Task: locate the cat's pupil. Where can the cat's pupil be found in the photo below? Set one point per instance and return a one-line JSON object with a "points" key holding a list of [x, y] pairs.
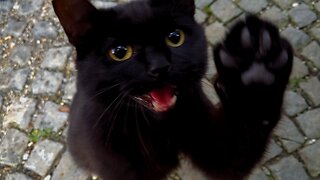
{"points": [[175, 37], [120, 51]]}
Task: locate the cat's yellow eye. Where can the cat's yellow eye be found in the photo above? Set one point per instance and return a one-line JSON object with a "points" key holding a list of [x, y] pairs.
{"points": [[175, 38], [121, 53]]}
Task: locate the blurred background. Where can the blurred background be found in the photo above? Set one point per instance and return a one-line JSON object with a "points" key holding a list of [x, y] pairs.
{"points": [[37, 83]]}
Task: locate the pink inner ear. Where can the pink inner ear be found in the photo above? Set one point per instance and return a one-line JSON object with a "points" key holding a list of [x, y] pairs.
{"points": [[74, 17]]}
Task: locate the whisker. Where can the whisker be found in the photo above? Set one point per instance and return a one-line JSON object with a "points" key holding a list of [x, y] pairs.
{"points": [[113, 117], [147, 152], [144, 116], [106, 110], [114, 114], [104, 90], [139, 134], [126, 116]]}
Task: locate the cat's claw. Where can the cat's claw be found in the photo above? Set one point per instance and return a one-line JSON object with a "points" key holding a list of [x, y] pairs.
{"points": [[253, 53]]}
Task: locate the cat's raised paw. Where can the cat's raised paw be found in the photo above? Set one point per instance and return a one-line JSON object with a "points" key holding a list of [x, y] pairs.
{"points": [[253, 53]]}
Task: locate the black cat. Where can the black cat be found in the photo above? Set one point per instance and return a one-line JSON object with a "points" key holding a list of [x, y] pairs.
{"points": [[140, 104]]}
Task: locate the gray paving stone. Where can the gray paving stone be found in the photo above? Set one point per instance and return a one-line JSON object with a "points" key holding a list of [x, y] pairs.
{"points": [[290, 146], [309, 1], [258, 174], [44, 29], [299, 69], [1, 99], [72, 64], [104, 4], [312, 52], [56, 58], [296, 37], [200, 16], [202, 3], [251, 7], [310, 155], [65, 132], [17, 176], [1, 46], [284, 4], [215, 32], [231, 23], [21, 55], [43, 156], [6, 5], [309, 122], [5, 77], [70, 89], [14, 27], [92, 1], [19, 112], [294, 103], [12, 147], [27, 7], [289, 135], [272, 151], [47, 82], [225, 10], [276, 16], [315, 31], [289, 168], [317, 6], [19, 79], [50, 117], [51, 13], [188, 172], [68, 170], [211, 69], [209, 91], [14, 80], [312, 89], [302, 15]]}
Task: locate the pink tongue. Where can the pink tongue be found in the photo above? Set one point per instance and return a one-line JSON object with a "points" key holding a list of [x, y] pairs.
{"points": [[163, 96]]}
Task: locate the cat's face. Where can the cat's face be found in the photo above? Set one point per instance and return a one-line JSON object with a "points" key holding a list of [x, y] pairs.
{"points": [[149, 50]]}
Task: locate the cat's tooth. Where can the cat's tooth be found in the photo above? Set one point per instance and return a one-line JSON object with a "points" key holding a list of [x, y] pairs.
{"points": [[156, 107], [138, 98], [173, 100]]}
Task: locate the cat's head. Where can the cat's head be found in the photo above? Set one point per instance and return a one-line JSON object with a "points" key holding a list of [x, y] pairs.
{"points": [[149, 49]]}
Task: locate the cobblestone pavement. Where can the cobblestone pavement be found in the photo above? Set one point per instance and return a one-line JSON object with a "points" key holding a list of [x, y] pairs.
{"points": [[37, 84]]}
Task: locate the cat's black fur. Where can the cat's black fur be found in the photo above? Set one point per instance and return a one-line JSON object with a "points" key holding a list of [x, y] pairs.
{"points": [[119, 139]]}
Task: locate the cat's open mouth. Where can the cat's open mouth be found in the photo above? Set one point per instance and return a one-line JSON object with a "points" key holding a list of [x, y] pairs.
{"points": [[159, 100]]}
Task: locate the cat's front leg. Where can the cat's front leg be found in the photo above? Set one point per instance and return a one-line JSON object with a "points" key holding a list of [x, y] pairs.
{"points": [[253, 65]]}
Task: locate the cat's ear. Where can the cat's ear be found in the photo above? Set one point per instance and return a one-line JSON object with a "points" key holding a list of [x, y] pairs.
{"points": [[185, 6], [74, 16]]}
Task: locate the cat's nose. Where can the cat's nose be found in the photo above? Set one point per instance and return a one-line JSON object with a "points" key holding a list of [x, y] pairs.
{"points": [[160, 70], [158, 62]]}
